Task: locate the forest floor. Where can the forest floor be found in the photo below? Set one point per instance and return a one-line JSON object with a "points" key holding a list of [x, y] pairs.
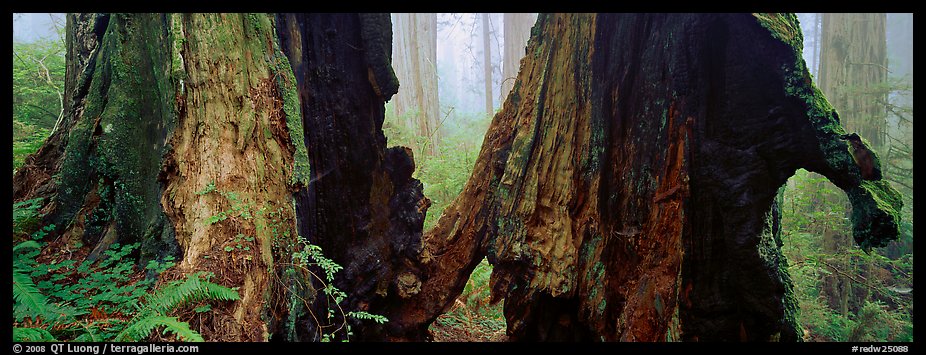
{"points": [[464, 325], [473, 317]]}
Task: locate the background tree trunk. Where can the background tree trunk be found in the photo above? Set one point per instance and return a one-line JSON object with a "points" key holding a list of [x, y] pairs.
{"points": [[415, 61], [853, 75], [899, 130], [487, 63], [517, 32], [854, 70], [615, 209]]}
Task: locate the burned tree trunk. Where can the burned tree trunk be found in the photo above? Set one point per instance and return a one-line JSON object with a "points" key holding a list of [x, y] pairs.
{"points": [[189, 134], [626, 190], [362, 206]]}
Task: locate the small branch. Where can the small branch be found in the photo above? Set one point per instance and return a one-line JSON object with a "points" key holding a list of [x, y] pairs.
{"points": [[874, 64], [901, 184], [41, 108]]}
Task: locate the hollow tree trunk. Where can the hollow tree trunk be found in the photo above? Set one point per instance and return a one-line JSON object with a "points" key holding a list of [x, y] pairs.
{"points": [[626, 189], [189, 133]]}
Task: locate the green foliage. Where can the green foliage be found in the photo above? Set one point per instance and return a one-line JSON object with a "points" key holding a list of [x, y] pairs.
{"points": [[31, 335], [27, 297], [876, 322], [38, 78], [209, 188], [153, 313], [472, 313], [444, 173], [238, 208], [334, 324], [194, 289], [880, 305], [26, 216], [139, 330], [90, 302]]}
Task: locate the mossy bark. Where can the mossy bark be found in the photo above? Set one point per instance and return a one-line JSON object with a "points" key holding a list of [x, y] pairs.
{"points": [[626, 190], [185, 133]]}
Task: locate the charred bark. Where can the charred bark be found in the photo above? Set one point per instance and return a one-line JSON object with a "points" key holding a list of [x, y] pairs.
{"points": [[361, 206], [626, 190]]}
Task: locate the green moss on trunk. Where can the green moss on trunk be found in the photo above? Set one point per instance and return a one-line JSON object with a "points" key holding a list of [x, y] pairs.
{"points": [[875, 204], [119, 139]]}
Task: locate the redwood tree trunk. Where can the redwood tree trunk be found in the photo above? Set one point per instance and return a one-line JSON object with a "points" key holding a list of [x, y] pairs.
{"points": [[189, 133], [362, 206], [626, 189]]}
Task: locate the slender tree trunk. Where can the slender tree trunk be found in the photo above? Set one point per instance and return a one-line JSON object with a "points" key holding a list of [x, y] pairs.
{"points": [[818, 38], [517, 32], [487, 63], [415, 62], [615, 209]]}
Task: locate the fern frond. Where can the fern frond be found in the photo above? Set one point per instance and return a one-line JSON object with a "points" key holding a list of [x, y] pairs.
{"points": [[32, 334], [140, 329], [192, 290], [88, 336], [28, 300], [219, 292], [26, 245]]}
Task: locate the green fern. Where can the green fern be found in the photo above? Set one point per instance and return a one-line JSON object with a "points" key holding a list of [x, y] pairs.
{"points": [[89, 335], [32, 334], [368, 316], [177, 294], [28, 301], [140, 329], [153, 313], [31, 244], [26, 215]]}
